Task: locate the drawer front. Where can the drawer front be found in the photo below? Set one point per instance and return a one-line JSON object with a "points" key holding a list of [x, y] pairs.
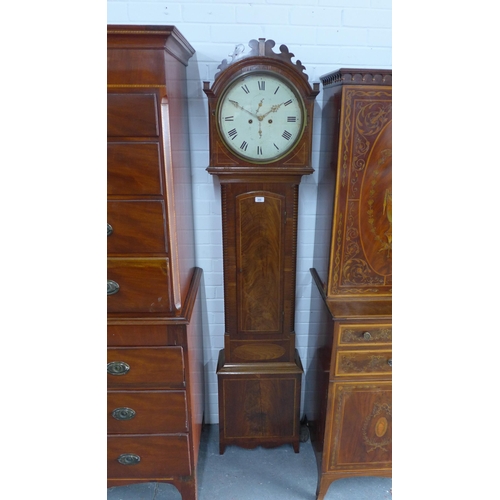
{"points": [[141, 412], [148, 457], [134, 168], [136, 227], [132, 115], [367, 334], [362, 363], [143, 285], [145, 367], [120, 335]]}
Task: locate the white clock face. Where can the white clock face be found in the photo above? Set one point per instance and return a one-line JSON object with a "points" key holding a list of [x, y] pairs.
{"points": [[260, 117]]}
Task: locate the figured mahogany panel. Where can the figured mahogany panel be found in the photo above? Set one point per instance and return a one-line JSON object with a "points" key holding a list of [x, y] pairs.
{"points": [[364, 440], [149, 367], [134, 168], [160, 456], [361, 257], [259, 407], [157, 412], [132, 115], [259, 251]]}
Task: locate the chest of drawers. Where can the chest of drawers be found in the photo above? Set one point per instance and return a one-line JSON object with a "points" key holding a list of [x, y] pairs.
{"points": [[155, 355]]}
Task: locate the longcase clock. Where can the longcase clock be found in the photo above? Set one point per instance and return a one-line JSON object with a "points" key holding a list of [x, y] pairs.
{"points": [[260, 118]]}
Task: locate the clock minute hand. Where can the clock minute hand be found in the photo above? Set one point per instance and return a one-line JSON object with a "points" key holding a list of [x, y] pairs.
{"points": [[235, 104]]}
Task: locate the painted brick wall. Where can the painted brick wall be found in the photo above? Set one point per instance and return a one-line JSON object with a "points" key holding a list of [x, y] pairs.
{"points": [[325, 35]]}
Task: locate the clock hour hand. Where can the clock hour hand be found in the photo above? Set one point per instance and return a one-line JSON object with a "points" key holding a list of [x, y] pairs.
{"points": [[235, 104], [273, 109]]}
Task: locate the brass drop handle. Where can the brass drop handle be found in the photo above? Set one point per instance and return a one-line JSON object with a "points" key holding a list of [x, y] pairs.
{"points": [[110, 229], [129, 459], [113, 287], [367, 336], [118, 368], [123, 413], [389, 362]]}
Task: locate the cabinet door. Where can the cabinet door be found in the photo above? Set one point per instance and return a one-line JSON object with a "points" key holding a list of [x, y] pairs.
{"points": [[361, 253], [359, 426], [259, 223]]}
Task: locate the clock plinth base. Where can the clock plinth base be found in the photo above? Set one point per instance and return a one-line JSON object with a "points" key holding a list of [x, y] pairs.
{"points": [[259, 403]]}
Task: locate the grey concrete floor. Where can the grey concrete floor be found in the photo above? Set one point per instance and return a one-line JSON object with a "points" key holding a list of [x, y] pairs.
{"points": [[258, 474]]}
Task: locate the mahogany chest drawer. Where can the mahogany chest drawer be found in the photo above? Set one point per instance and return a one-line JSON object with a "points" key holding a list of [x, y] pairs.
{"points": [[148, 457], [364, 335], [132, 115], [120, 335], [134, 168], [139, 284], [145, 368], [363, 363], [142, 412], [136, 227]]}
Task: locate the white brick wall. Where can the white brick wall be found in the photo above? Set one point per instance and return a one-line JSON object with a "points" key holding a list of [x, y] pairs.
{"points": [[324, 35]]}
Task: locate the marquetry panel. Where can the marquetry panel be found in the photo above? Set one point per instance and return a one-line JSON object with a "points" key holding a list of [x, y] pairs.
{"points": [[361, 258]]}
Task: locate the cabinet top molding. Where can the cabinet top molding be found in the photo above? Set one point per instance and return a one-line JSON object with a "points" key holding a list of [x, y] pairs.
{"points": [[357, 77], [150, 37], [261, 48]]}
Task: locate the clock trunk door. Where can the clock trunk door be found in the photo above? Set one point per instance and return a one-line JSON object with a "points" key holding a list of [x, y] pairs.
{"points": [[260, 218]]}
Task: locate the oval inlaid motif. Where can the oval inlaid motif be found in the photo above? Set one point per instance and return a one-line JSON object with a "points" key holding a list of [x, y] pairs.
{"points": [[381, 426], [375, 205], [259, 352]]}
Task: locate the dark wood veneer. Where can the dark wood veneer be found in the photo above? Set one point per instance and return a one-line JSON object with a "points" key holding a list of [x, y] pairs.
{"points": [[154, 319], [259, 370]]}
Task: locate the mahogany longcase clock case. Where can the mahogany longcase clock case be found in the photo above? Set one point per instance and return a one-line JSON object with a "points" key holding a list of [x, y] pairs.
{"points": [[260, 118]]}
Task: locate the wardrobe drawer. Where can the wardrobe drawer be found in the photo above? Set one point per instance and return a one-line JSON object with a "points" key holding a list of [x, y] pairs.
{"points": [[134, 168], [136, 227], [139, 284], [145, 367], [359, 363], [132, 115], [148, 457], [140, 412], [367, 334]]}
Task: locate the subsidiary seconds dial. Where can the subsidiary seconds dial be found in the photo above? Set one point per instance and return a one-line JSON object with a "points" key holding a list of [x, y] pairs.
{"points": [[260, 117]]}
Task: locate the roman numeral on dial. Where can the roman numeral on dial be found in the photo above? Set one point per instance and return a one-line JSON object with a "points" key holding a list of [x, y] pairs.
{"points": [[286, 135], [292, 119], [246, 89], [232, 133], [244, 145], [288, 102], [262, 85], [259, 150], [229, 118]]}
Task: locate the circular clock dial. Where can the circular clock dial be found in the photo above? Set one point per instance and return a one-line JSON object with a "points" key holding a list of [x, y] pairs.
{"points": [[260, 117]]}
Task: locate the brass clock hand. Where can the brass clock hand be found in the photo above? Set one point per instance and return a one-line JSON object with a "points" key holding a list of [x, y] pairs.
{"points": [[273, 109], [235, 104], [259, 106]]}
